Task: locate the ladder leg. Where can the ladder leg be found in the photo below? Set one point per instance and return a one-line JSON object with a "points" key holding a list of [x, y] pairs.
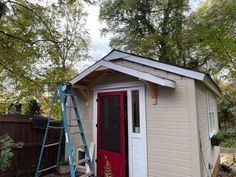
{"points": [[45, 135], [82, 131], [68, 146], [59, 147]]}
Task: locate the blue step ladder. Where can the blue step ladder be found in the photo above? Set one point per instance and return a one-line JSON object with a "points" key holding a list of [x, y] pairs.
{"points": [[65, 126]]}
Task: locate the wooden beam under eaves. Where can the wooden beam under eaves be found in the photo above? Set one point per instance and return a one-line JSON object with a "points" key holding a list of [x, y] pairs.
{"points": [[153, 91], [84, 92]]}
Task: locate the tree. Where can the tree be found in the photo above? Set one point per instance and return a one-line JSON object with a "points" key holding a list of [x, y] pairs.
{"points": [[40, 44], [32, 108], [203, 39], [150, 28], [227, 103], [167, 30], [213, 27]]}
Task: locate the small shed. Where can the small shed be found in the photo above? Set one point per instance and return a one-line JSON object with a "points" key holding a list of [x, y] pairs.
{"points": [[147, 118]]}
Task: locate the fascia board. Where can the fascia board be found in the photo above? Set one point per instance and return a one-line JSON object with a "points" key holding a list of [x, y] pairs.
{"points": [[125, 70], [155, 64]]}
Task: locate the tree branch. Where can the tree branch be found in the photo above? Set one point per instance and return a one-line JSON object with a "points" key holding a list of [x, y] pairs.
{"points": [[226, 51]]}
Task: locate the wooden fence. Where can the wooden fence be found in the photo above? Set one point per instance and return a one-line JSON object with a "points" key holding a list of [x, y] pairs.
{"points": [[24, 161]]}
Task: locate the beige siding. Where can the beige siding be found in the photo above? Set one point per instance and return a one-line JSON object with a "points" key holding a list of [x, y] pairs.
{"points": [[168, 132], [86, 115], [209, 154], [171, 132]]}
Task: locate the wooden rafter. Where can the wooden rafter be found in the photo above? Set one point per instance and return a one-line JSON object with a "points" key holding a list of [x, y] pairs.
{"points": [[84, 92], [153, 91]]}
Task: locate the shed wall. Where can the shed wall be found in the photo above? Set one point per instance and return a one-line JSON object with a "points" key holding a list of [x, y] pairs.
{"points": [[209, 154], [86, 115], [172, 134], [172, 144]]}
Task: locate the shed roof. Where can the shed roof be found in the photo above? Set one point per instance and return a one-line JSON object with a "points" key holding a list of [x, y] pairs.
{"points": [[132, 72], [107, 62]]}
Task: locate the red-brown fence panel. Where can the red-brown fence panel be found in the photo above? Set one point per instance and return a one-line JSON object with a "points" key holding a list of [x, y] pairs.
{"points": [[20, 128]]}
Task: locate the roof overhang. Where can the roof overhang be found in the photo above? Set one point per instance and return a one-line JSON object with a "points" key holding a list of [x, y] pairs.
{"points": [[122, 69], [115, 55]]}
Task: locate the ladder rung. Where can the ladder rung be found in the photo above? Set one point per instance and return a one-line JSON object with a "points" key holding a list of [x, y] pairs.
{"points": [[67, 94], [65, 83], [75, 133], [87, 174], [49, 168], [53, 120], [70, 107], [72, 125], [53, 144], [83, 161], [81, 148], [74, 119], [54, 127]]}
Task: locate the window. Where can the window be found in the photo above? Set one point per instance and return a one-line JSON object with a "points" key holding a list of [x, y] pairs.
{"points": [[210, 114], [135, 111]]}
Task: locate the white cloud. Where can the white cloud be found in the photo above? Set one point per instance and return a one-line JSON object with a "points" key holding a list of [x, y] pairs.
{"points": [[99, 44]]}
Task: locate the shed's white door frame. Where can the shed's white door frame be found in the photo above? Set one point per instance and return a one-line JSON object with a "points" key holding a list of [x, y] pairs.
{"points": [[137, 141]]}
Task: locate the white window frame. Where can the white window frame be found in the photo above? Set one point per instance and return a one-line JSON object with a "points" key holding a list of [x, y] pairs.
{"points": [[211, 115]]}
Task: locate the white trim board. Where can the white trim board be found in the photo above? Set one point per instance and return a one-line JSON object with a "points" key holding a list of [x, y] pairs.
{"points": [[114, 55], [155, 64], [132, 72]]}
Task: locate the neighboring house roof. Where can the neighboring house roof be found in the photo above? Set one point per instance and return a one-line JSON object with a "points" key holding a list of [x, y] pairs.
{"points": [[119, 55]]}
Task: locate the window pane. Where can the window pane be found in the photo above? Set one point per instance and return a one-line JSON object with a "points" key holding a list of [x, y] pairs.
{"points": [[213, 121], [211, 104], [135, 111], [110, 123], [210, 113]]}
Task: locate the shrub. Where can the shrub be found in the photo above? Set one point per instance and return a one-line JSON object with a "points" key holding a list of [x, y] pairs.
{"points": [[6, 145], [32, 108]]}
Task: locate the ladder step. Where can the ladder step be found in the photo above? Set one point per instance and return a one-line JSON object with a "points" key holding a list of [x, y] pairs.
{"points": [[55, 121], [67, 94], [81, 148], [70, 107], [49, 168], [72, 125], [74, 119], [53, 144], [75, 133], [83, 161], [54, 127], [87, 174], [65, 83]]}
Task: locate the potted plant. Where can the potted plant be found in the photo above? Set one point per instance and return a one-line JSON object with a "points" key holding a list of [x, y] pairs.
{"points": [[217, 139]]}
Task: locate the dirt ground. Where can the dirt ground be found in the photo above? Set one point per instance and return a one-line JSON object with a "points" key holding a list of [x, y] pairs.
{"points": [[228, 159], [225, 158], [66, 175]]}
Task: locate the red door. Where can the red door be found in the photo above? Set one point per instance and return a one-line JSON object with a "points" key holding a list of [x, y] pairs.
{"points": [[110, 135]]}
